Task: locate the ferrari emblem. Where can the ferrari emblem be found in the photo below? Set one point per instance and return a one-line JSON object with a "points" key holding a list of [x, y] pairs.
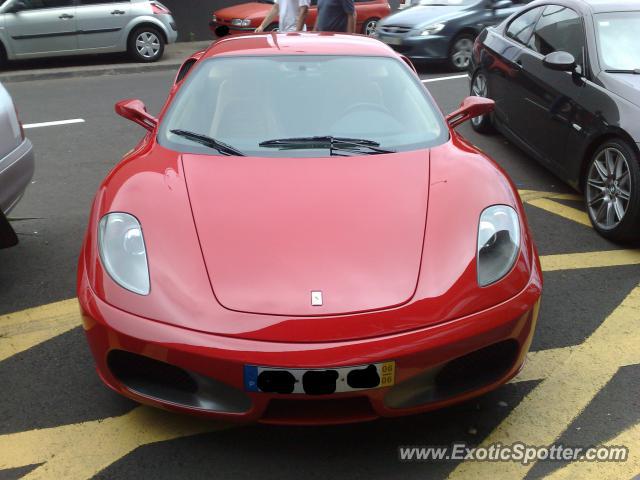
{"points": [[316, 298]]}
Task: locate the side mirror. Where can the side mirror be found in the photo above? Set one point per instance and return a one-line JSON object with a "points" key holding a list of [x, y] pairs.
{"points": [[135, 111], [469, 108], [560, 61], [500, 4], [17, 6]]}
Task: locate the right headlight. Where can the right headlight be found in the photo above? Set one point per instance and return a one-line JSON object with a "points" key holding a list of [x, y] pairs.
{"points": [[498, 243], [431, 29], [123, 252]]}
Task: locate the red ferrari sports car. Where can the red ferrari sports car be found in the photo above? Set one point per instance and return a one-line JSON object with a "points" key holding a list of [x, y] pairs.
{"points": [[256, 259]]}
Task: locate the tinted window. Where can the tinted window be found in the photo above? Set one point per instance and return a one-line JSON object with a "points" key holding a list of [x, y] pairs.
{"points": [[36, 4], [617, 35], [521, 28], [559, 29], [243, 101]]}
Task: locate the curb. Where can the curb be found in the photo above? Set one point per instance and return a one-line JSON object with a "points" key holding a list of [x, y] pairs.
{"points": [[73, 73]]}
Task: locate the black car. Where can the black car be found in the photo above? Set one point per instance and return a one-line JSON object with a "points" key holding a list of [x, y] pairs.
{"points": [[565, 76], [442, 30]]}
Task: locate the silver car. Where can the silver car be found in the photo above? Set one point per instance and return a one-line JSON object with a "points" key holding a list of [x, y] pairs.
{"points": [[16, 164], [47, 28]]}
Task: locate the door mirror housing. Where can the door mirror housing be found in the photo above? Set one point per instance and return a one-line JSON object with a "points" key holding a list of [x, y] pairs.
{"points": [[500, 4], [17, 6], [469, 108], [136, 111], [560, 61]]}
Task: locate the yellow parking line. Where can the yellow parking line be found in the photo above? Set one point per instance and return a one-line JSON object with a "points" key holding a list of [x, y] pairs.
{"points": [[22, 330], [607, 470], [564, 211], [548, 410], [573, 261], [541, 364], [81, 450]]}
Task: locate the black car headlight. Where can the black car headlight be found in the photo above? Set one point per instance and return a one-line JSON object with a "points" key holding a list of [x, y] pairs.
{"points": [[498, 243]]}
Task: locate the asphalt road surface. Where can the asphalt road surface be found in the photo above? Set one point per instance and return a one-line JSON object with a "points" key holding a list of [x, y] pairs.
{"points": [[581, 386]]}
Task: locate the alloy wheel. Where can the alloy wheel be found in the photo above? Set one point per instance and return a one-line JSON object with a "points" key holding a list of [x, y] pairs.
{"points": [[479, 89], [370, 27], [608, 188], [461, 54], [148, 45]]}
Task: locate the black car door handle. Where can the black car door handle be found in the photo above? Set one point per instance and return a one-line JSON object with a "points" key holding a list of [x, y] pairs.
{"points": [[117, 12], [65, 16]]}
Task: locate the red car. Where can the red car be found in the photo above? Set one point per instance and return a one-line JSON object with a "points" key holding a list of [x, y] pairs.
{"points": [[255, 259], [246, 17]]}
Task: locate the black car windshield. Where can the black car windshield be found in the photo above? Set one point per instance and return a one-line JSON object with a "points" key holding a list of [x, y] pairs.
{"points": [[244, 101], [617, 34]]}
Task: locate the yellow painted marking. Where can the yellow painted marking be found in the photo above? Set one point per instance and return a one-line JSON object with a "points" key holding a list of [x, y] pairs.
{"points": [[550, 408], [541, 364], [564, 211], [528, 195], [573, 261], [83, 449], [22, 330], [607, 470]]}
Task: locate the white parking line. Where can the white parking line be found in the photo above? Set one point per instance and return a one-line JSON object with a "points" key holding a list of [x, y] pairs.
{"points": [[440, 79], [53, 124]]}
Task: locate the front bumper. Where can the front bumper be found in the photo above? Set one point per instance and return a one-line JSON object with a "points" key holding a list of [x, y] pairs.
{"points": [[16, 172], [212, 366], [432, 47]]}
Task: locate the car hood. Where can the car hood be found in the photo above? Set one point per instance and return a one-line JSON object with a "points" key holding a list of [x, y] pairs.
{"points": [[244, 10], [349, 227], [623, 84], [418, 16]]}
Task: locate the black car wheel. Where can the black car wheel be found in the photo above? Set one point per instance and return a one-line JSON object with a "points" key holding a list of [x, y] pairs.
{"points": [[369, 26], [460, 52], [480, 88], [146, 44], [3, 56], [612, 191], [274, 27]]}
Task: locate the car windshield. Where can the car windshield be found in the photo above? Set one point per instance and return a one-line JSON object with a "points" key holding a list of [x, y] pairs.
{"points": [[245, 101], [617, 40]]}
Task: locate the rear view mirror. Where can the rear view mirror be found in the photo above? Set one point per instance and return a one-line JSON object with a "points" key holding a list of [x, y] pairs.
{"points": [[17, 6], [561, 61], [499, 4], [135, 111], [469, 108]]}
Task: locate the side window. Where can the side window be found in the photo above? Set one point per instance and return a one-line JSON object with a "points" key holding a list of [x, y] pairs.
{"points": [[559, 28], [521, 27], [37, 4]]}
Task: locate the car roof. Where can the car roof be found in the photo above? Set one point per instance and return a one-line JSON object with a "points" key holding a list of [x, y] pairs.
{"points": [[302, 43], [599, 6]]}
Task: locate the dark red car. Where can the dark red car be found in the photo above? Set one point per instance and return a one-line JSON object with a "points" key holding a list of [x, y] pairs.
{"points": [[256, 259], [246, 17]]}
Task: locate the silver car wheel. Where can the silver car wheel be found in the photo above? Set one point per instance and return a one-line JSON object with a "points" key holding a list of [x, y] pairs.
{"points": [[370, 27], [461, 54], [479, 89], [148, 45], [608, 188]]}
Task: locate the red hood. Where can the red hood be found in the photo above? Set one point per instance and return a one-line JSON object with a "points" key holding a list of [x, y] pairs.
{"points": [[244, 10], [274, 229]]}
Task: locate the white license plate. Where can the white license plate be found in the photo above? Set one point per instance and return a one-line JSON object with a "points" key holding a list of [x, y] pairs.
{"points": [[318, 381], [392, 40]]}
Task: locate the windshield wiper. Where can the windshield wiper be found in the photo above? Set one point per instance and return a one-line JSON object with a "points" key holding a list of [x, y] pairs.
{"points": [[210, 142], [355, 145], [635, 71]]}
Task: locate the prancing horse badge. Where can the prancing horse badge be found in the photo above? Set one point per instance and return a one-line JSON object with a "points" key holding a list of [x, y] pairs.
{"points": [[316, 298]]}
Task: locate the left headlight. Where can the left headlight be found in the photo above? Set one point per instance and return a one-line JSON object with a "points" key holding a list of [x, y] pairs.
{"points": [[122, 251], [431, 29], [498, 243], [239, 22]]}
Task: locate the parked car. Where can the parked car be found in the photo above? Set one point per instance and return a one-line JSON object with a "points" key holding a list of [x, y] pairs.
{"points": [[251, 255], [245, 17], [16, 164], [565, 76], [46, 28], [442, 30]]}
